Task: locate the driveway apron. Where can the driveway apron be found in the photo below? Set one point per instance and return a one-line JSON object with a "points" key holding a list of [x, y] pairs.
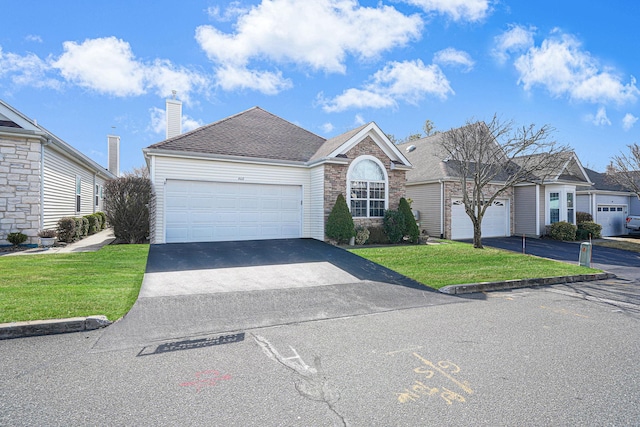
{"points": [[625, 288], [196, 289]]}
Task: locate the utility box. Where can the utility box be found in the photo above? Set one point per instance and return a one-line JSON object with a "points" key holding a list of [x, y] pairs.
{"points": [[585, 254]]}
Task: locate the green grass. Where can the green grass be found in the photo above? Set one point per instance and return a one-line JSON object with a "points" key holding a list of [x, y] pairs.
{"points": [[34, 287], [455, 263]]}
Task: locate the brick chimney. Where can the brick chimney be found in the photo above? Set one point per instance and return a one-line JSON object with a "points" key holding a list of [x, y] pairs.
{"points": [[174, 117], [113, 154]]}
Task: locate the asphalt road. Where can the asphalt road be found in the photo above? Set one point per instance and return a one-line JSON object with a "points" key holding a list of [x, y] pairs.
{"points": [[526, 357]]}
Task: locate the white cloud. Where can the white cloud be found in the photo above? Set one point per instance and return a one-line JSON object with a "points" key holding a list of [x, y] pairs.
{"points": [[516, 39], [358, 120], [628, 121], [33, 38], [458, 10], [319, 35], [408, 81], [27, 70], [454, 57], [327, 127], [600, 118], [561, 66], [158, 121], [232, 11], [108, 65], [232, 78]]}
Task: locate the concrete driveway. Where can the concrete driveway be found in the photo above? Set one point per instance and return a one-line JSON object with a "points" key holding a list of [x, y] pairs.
{"points": [[192, 289]]}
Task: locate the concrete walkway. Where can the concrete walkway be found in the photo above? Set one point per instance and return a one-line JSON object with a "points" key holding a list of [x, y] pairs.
{"points": [[88, 244]]}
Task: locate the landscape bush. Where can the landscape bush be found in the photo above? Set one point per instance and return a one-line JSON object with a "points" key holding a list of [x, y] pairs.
{"points": [[340, 225], [103, 220], [66, 229], [127, 207], [583, 217], [362, 235], [587, 228], [563, 230], [394, 225], [93, 224], [16, 238], [411, 230], [377, 236]]}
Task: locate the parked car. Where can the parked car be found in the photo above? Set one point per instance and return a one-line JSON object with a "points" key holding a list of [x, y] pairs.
{"points": [[633, 223]]}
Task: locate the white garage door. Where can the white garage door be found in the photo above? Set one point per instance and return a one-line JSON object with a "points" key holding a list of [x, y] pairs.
{"points": [[199, 211], [612, 219], [495, 222]]}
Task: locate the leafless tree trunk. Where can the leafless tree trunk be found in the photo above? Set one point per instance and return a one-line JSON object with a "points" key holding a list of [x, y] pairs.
{"points": [[490, 158], [624, 169]]}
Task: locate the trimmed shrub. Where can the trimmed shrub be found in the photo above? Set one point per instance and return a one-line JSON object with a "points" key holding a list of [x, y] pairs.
{"points": [[586, 228], [411, 227], [562, 231], [394, 225], [127, 207], [16, 238], [340, 223], [47, 234], [583, 217], [79, 224], [362, 235], [377, 236], [66, 229], [103, 220], [85, 227], [93, 224]]}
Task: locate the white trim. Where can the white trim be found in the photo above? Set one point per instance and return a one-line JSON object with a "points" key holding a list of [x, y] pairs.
{"points": [[563, 190], [538, 208], [386, 182]]}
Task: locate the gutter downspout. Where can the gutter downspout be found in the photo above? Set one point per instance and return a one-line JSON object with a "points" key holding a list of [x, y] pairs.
{"points": [[42, 145]]}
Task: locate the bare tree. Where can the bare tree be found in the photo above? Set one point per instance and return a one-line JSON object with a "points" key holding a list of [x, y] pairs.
{"points": [[490, 158], [140, 171], [624, 169]]}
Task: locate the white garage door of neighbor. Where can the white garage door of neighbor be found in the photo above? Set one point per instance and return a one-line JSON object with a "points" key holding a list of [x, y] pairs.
{"points": [[198, 211], [612, 219], [495, 222]]}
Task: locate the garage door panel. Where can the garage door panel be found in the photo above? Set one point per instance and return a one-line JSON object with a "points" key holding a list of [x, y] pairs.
{"points": [[216, 211], [495, 222]]}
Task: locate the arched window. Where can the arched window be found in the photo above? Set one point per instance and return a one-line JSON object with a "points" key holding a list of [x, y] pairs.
{"points": [[367, 181]]}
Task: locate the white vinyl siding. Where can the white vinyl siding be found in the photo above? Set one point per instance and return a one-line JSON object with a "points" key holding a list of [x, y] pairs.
{"points": [[316, 210], [525, 210], [426, 200], [222, 171], [60, 188]]}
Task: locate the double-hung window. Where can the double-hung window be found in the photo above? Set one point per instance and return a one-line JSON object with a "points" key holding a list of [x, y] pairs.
{"points": [[78, 193], [367, 182]]}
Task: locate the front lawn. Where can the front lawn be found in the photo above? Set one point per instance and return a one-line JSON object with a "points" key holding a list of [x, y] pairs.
{"points": [[454, 263], [34, 287]]}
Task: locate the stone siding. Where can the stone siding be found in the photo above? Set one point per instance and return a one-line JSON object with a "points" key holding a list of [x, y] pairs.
{"points": [[20, 186], [335, 181]]}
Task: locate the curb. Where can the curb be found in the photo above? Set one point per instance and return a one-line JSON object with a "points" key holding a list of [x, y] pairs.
{"points": [[49, 327], [522, 283]]}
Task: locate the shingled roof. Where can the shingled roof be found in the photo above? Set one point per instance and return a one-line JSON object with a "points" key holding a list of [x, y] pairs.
{"points": [[254, 133]]}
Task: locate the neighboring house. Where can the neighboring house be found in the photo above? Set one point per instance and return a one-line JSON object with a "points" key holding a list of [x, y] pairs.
{"points": [[42, 178], [526, 209], [257, 176], [608, 203]]}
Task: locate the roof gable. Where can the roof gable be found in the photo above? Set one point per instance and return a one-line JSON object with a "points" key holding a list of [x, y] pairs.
{"points": [[341, 144], [254, 133]]}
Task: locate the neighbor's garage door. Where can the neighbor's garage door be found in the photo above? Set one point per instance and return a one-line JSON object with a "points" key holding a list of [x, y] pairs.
{"points": [[495, 222], [199, 211], [612, 219]]}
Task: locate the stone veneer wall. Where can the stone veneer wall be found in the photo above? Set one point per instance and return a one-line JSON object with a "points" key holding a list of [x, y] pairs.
{"points": [[20, 186], [335, 181], [454, 189]]}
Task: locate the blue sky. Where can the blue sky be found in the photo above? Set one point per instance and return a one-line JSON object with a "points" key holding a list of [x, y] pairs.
{"points": [[86, 69]]}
